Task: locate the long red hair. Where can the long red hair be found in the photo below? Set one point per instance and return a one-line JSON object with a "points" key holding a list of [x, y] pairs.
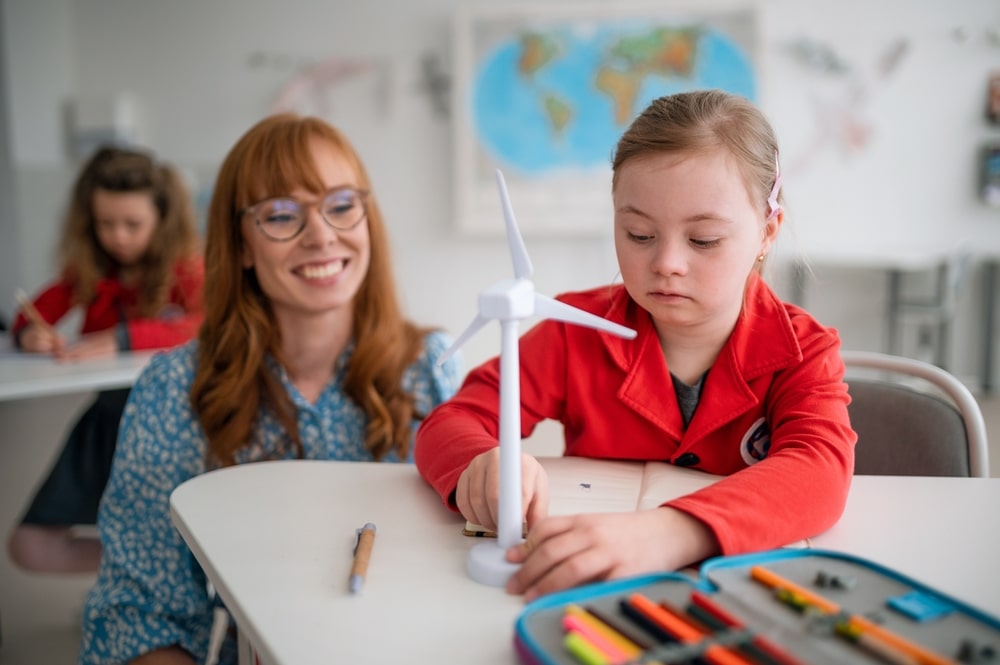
{"points": [[232, 380]]}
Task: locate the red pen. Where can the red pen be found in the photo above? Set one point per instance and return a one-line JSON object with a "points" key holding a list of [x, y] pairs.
{"points": [[765, 645], [684, 631]]}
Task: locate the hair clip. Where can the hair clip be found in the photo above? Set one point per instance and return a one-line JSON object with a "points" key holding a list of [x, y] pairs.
{"points": [[772, 199]]}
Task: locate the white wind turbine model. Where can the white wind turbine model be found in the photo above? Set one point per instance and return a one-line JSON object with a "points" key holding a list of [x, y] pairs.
{"points": [[509, 301]]}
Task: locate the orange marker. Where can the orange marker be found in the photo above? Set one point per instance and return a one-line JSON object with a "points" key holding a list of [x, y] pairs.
{"points": [[762, 643], [917, 652], [775, 581], [684, 631]]}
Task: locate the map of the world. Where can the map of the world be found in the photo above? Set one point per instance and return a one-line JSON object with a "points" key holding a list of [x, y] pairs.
{"points": [[543, 101]]}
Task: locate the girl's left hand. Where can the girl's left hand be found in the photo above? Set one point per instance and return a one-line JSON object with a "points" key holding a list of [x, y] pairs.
{"points": [[102, 344], [566, 551]]}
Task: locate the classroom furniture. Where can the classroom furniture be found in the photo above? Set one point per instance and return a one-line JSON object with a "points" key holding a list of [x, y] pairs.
{"points": [[913, 418], [25, 375], [991, 267], [933, 312], [34, 376], [276, 539]]}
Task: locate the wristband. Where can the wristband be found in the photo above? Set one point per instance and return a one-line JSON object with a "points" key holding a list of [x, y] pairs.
{"points": [[122, 337]]}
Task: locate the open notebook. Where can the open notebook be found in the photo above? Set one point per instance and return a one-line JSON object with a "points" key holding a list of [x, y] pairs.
{"points": [[582, 485], [579, 485]]}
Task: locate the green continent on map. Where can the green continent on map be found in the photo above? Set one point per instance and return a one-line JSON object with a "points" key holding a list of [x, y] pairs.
{"points": [[662, 52], [558, 112], [622, 88], [536, 52]]}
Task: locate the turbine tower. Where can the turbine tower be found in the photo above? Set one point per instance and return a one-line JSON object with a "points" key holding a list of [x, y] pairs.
{"points": [[510, 301]]}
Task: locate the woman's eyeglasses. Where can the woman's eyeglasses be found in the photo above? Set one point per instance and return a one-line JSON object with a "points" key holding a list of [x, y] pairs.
{"points": [[343, 208]]}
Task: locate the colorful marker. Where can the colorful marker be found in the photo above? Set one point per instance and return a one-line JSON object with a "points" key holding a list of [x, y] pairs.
{"points": [[619, 627], [874, 645], [684, 631], [915, 651], [768, 650], [773, 580], [583, 651], [608, 649], [616, 638]]}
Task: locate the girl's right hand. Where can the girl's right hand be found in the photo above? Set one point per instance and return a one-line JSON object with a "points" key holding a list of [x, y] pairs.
{"points": [[37, 339], [478, 492]]}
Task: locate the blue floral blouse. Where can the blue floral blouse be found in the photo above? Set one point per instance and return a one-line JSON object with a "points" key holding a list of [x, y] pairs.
{"points": [[151, 592]]}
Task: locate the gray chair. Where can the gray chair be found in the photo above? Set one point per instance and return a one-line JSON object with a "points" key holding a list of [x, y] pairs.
{"points": [[913, 419]]}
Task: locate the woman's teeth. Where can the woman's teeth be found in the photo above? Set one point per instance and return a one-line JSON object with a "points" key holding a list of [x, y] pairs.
{"points": [[326, 270]]}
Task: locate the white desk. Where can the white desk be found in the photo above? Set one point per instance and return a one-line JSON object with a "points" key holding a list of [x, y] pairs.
{"points": [[33, 375], [275, 539]]}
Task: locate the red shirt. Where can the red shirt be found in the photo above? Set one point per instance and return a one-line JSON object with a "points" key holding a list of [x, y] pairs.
{"points": [[176, 323], [772, 414]]}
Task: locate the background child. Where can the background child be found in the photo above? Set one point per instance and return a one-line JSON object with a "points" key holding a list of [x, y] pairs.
{"points": [[130, 257], [723, 376], [304, 353]]}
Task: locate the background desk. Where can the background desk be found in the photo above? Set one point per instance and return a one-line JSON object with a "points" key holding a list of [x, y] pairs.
{"points": [[30, 375], [950, 268], [275, 539], [39, 401], [947, 266]]}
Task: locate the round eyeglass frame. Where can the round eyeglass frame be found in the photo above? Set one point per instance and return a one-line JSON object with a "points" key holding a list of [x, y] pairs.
{"points": [[362, 194]]}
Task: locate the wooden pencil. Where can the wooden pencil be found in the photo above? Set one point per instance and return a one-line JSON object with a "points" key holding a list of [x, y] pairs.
{"points": [[31, 312]]}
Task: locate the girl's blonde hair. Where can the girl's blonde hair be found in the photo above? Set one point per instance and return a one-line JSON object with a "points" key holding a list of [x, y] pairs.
{"points": [[701, 121], [232, 380]]}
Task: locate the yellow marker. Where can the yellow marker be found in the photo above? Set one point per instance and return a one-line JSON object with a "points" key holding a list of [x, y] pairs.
{"points": [[583, 651], [630, 648]]}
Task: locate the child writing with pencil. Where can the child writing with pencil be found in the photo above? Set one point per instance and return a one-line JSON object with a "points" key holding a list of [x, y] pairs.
{"points": [[304, 353], [130, 257], [723, 376]]}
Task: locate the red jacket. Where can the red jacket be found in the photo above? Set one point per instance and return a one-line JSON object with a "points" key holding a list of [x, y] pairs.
{"points": [[772, 414], [177, 322]]}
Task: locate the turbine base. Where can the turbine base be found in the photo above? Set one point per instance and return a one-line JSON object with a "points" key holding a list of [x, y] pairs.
{"points": [[487, 564]]}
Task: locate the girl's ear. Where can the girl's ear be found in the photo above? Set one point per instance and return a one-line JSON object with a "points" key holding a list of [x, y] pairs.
{"points": [[247, 258], [772, 226]]}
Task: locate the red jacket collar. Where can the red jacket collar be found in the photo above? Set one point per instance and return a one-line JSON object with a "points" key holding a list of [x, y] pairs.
{"points": [[763, 340]]}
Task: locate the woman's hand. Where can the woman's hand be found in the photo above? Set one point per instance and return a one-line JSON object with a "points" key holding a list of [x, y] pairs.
{"points": [[563, 552], [478, 492], [102, 344], [40, 339]]}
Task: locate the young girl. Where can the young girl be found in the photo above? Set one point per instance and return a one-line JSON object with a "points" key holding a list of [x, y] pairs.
{"points": [[723, 376], [304, 353], [130, 257]]}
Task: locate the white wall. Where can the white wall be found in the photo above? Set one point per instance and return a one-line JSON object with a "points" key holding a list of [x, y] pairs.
{"points": [[10, 264], [195, 69]]}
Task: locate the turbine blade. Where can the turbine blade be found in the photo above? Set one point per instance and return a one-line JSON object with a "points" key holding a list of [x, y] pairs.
{"points": [[553, 309], [518, 252], [467, 334]]}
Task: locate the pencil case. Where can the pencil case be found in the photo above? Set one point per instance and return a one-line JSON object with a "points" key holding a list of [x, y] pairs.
{"points": [[781, 607]]}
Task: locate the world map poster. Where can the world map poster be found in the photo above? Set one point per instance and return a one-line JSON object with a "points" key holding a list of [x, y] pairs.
{"points": [[544, 95]]}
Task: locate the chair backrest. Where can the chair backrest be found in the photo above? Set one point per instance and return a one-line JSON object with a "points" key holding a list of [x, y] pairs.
{"points": [[913, 418]]}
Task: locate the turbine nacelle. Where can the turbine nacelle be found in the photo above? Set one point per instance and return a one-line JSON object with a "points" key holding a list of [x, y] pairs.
{"points": [[508, 299]]}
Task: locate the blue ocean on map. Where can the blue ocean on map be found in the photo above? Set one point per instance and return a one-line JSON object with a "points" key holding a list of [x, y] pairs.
{"points": [[554, 115]]}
